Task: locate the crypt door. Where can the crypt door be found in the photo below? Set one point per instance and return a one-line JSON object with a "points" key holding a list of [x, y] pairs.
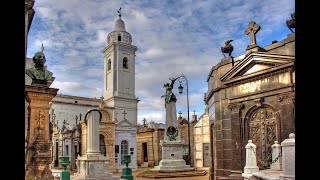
{"points": [[263, 132]]}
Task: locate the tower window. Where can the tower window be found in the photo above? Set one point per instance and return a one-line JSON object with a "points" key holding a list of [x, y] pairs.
{"points": [[125, 63], [109, 65], [119, 37]]}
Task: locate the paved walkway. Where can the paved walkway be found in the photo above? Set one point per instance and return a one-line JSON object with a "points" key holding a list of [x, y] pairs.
{"points": [[135, 173]]}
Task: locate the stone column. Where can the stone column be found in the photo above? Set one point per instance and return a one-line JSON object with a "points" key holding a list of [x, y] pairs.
{"points": [[83, 138], [38, 154], [276, 149], [251, 161], [288, 158], [93, 133]]}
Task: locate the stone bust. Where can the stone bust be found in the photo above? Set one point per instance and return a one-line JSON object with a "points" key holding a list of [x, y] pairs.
{"points": [[39, 74]]}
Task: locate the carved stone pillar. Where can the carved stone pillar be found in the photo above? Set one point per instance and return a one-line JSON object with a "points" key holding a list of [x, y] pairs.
{"points": [[237, 135], [38, 156]]}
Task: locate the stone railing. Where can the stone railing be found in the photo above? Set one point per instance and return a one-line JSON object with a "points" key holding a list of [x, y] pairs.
{"points": [[282, 166]]}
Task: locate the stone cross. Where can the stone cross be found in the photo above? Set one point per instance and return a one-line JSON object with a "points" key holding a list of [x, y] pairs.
{"points": [[144, 121], [252, 29], [119, 12], [194, 112], [179, 113], [124, 114]]}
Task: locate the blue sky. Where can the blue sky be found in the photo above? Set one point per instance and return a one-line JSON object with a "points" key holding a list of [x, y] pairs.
{"points": [[173, 37]]}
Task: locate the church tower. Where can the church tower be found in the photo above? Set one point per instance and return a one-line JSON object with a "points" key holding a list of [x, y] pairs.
{"points": [[119, 90]]}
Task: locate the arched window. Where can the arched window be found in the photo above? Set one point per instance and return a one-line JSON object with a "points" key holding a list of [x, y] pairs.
{"points": [[125, 63], [119, 37], [124, 150], [109, 65], [102, 145]]}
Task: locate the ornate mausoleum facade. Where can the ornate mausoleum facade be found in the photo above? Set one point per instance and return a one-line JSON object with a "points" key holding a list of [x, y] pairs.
{"points": [[251, 97]]}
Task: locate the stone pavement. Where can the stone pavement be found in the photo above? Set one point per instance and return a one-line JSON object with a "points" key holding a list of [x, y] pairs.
{"points": [[140, 169]]}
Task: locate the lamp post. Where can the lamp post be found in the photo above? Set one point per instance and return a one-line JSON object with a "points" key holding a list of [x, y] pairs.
{"points": [[180, 89]]}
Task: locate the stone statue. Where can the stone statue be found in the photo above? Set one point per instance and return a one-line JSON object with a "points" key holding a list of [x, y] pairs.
{"points": [[169, 96], [101, 102], [39, 74], [292, 22], [115, 116], [228, 48]]}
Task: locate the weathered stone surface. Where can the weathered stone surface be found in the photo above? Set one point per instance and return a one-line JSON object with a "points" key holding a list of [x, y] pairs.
{"points": [[38, 150]]}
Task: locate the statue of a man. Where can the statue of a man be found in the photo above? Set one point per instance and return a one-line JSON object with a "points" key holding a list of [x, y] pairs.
{"points": [[39, 74]]}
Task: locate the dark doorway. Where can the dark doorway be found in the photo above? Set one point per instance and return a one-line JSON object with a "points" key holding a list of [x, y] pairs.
{"points": [[75, 156], [145, 152], [79, 152], [102, 145], [56, 161], [206, 155]]}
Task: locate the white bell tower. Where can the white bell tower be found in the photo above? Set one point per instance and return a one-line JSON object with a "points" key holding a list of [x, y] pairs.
{"points": [[119, 89]]}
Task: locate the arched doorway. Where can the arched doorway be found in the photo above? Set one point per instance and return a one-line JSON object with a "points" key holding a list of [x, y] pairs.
{"points": [[262, 128], [124, 149], [102, 145]]}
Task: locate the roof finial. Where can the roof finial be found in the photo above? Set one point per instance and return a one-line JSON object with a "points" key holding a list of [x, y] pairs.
{"points": [[119, 11]]}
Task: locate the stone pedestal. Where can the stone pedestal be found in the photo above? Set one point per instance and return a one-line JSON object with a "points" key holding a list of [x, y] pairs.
{"points": [[93, 165], [38, 153], [276, 149], [172, 158], [288, 158], [251, 161]]}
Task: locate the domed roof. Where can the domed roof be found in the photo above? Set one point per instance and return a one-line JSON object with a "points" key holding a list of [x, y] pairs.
{"points": [[119, 25]]}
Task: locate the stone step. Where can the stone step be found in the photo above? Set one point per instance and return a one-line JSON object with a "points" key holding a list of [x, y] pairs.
{"points": [[236, 175], [144, 164], [228, 178]]}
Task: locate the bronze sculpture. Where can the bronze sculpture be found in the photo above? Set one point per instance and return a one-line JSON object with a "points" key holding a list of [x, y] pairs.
{"points": [[39, 74], [292, 22], [227, 48]]}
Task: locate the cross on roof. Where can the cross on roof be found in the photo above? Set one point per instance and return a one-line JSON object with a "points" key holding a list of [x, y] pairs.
{"points": [[252, 29], [124, 114], [119, 11], [144, 121], [194, 112], [180, 114]]}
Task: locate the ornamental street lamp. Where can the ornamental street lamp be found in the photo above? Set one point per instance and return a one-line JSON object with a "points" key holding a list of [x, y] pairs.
{"points": [[180, 89]]}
